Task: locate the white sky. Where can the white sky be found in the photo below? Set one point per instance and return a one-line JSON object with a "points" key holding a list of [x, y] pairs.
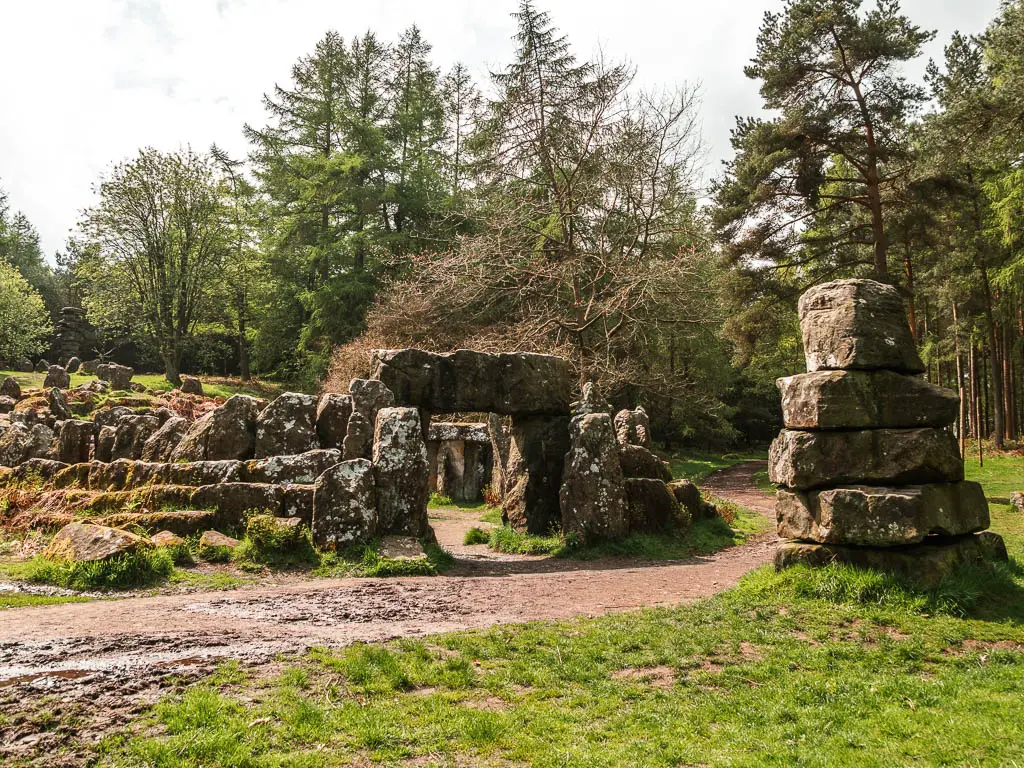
{"points": [[84, 83]]}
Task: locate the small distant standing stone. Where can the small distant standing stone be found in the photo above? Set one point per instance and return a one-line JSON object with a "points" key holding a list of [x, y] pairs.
{"points": [[1017, 500], [73, 365], [56, 376], [9, 387], [190, 385]]}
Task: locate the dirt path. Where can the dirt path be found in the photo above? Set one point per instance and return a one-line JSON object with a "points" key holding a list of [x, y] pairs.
{"points": [[98, 651]]}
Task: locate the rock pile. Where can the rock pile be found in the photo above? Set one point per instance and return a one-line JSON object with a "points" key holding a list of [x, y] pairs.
{"points": [[868, 470]]}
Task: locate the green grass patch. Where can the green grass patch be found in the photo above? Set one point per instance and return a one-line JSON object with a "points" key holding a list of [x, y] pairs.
{"points": [[212, 386], [366, 560], [137, 569], [505, 539], [696, 465], [1001, 474], [23, 600], [492, 515], [203, 580], [476, 536], [268, 543]]}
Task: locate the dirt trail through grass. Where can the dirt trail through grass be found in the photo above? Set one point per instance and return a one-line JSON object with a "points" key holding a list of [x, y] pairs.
{"points": [[134, 636]]}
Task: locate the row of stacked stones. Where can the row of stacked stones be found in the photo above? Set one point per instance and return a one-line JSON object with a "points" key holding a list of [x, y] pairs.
{"points": [[461, 459], [869, 472]]}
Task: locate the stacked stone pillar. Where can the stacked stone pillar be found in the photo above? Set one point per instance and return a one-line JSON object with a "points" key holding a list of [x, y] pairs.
{"points": [[868, 469]]}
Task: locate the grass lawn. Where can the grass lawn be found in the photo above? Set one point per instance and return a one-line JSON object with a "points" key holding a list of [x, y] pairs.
{"points": [[813, 668], [22, 600], [696, 465], [212, 386]]}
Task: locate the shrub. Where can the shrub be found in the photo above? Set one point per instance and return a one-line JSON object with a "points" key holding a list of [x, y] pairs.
{"points": [[267, 541], [135, 569], [476, 536], [510, 541], [439, 500]]}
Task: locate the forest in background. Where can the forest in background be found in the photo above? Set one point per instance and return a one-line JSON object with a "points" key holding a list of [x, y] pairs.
{"points": [[560, 208]]}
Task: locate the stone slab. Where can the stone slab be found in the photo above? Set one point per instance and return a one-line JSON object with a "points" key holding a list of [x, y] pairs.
{"points": [[805, 460], [879, 516], [864, 399]]}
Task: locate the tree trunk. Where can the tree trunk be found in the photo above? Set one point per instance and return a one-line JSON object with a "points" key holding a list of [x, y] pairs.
{"points": [[243, 345], [961, 432], [908, 267]]}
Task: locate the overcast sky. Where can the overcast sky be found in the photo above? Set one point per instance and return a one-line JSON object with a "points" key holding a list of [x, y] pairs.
{"points": [[84, 83]]}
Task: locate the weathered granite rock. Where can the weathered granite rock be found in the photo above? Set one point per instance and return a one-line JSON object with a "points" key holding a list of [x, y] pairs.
{"points": [[132, 433], [10, 387], [111, 417], [119, 376], [358, 443], [214, 546], [501, 443], [89, 367], [1017, 500], [85, 542], [227, 432], [518, 383], [42, 366], [161, 444], [458, 431], [804, 460], [927, 563], [298, 468], [332, 414], [7, 404], [190, 385], [59, 404], [36, 470], [298, 502], [880, 516], [593, 493], [167, 539], [344, 505], [633, 427], [287, 426], [178, 522], [56, 376], [105, 443], [24, 365], [533, 472], [401, 473], [688, 496], [73, 364], [401, 548], [459, 469], [864, 399], [233, 501], [199, 473], [21, 442], [638, 461], [591, 401], [859, 324], [652, 506], [74, 441], [281, 534]]}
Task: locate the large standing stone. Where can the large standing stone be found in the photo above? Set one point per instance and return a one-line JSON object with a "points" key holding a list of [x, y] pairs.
{"points": [[593, 493], [7, 404], [74, 441], [84, 542], [297, 468], [119, 376], [633, 427], [73, 364], [227, 432], [501, 443], [344, 505], [652, 506], [105, 443], [536, 462], [803, 460], [332, 414], [56, 376], [927, 563], [1017, 500], [132, 434], [21, 442], [42, 366], [59, 404], [401, 472], [880, 516], [856, 324], [161, 444], [358, 443], [190, 385], [368, 397], [287, 426], [200, 473], [467, 381], [111, 417], [24, 365], [9, 387], [864, 399]]}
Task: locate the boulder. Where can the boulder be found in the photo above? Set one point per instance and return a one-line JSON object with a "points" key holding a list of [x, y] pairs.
{"points": [[111, 417], [227, 432], [232, 501], [287, 426], [652, 507], [880, 516], [864, 399], [533, 472], [281, 534], [332, 414], [856, 324], [21, 442], [7, 404], [633, 427], [56, 377], [199, 473], [73, 364], [85, 542], [74, 441], [167, 539], [24, 365], [457, 431], [518, 383], [401, 548], [132, 433], [344, 505], [1017, 500], [302, 468], [178, 522], [927, 563], [42, 366], [37, 470], [593, 493], [638, 461], [10, 387], [590, 401], [105, 443], [119, 376], [59, 404], [216, 546], [358, 443], [401, 473], [190, 385], [688, 496], [161, 444], [89, 367], [297, 501], [806, 460]]}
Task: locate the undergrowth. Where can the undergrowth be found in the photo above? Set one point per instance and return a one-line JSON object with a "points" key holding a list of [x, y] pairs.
{"points": [[133, 569]]}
